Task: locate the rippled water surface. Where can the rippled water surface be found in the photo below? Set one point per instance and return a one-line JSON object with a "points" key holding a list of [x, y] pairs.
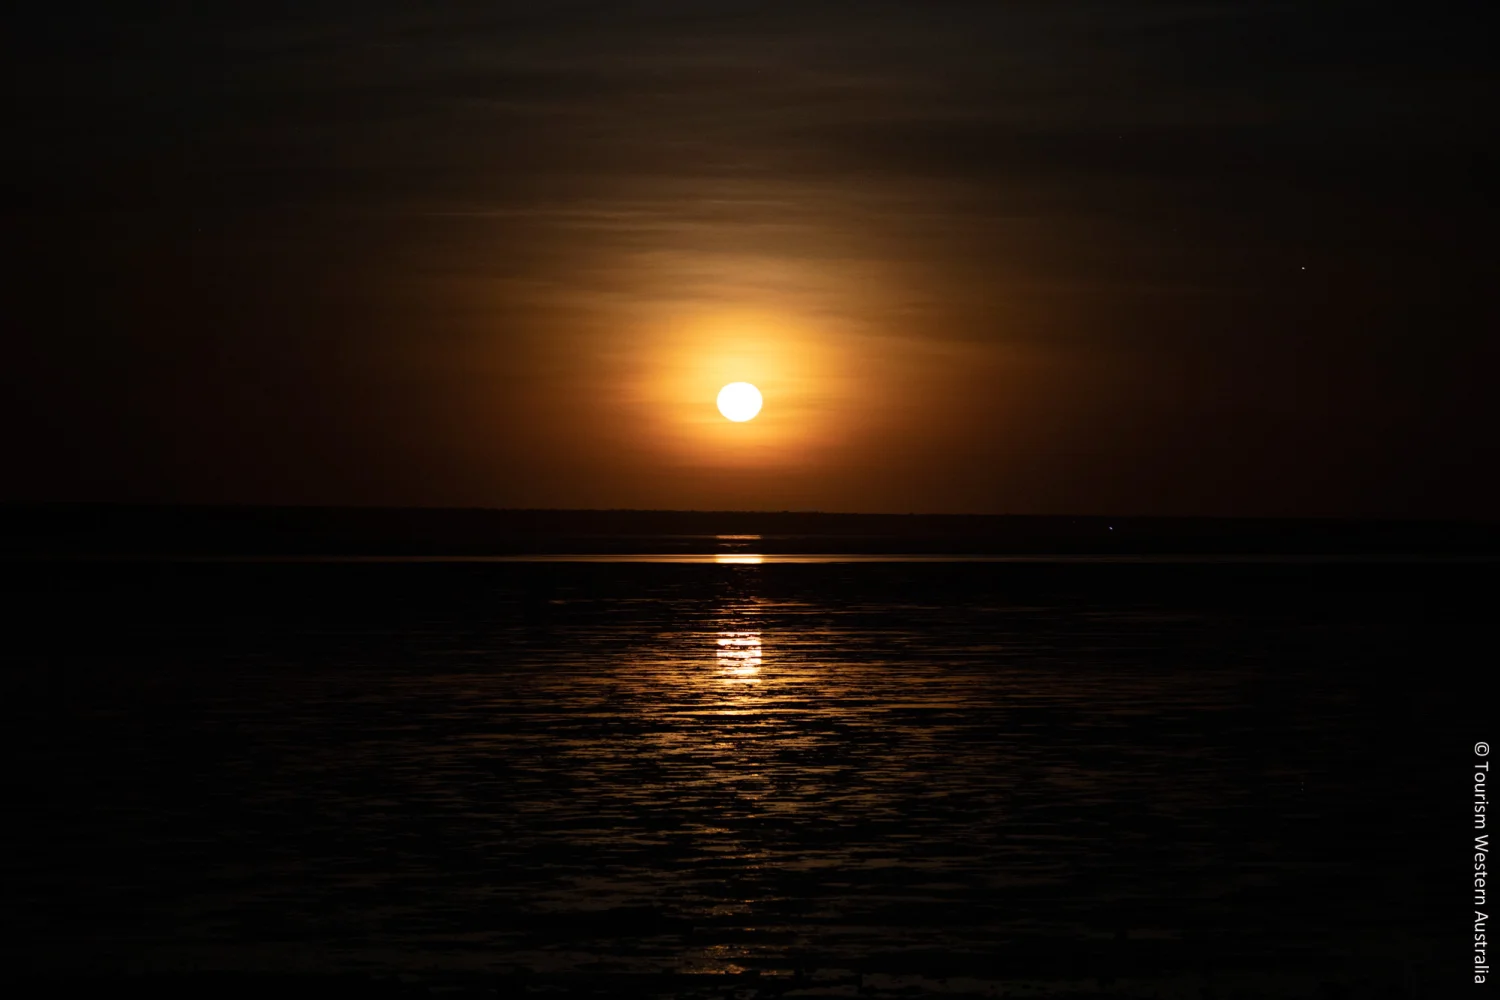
{"points": [[807, 777]]}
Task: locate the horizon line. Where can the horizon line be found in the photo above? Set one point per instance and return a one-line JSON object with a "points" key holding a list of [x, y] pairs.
{"points": [[256, 506]]}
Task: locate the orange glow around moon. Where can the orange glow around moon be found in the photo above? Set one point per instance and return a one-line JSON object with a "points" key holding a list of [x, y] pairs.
{"points": [[739, 401], [794, 405]]}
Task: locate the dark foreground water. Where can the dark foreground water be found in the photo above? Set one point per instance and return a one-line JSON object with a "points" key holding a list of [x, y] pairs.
{"points": [[753, 780]]}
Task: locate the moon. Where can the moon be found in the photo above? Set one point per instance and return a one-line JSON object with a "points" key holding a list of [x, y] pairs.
{"points": [[739, 401]]}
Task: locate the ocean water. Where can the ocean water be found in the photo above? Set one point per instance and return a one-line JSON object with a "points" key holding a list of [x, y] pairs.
{"points": [[748, 777]]}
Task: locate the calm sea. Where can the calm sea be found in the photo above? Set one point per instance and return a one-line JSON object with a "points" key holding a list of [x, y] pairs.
{"points": [[747, 777]]}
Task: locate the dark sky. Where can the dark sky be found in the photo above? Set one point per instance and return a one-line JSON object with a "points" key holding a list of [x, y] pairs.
{"points": [[1030, 257]]}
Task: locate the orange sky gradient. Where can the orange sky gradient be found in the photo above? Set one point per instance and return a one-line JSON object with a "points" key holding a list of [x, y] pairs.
{"points": [[1016, 258]]}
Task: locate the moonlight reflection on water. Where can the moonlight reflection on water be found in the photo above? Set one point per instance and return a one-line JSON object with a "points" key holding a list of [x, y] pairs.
{"points": [[740, 656], [938, 770]]}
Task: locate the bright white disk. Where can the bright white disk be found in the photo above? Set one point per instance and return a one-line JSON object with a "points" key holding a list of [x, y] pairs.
{"points": [[739, 401]]}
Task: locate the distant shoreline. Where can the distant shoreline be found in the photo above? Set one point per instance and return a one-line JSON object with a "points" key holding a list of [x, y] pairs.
{"points": [[40, 530], [796, 559]]}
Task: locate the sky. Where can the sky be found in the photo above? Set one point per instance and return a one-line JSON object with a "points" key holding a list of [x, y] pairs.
{"points": [[1170, 258]]}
